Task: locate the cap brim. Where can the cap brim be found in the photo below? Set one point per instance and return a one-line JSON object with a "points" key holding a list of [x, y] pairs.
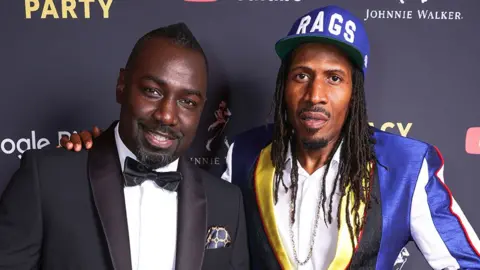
{"points": [[286, 45]]}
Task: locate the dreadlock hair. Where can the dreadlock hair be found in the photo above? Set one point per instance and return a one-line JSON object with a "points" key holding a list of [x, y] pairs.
{"points": [[356, 152], [179, 34]]}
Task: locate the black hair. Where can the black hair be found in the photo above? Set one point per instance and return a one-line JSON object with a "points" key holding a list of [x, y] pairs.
{"points": [[178, 33], [356, 152]]}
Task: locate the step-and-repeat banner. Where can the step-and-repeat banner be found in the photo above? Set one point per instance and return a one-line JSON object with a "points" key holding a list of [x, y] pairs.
{"points": [[60, 60]]}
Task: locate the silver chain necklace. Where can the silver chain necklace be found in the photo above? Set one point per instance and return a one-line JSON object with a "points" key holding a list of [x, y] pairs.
{"points": [[314, 233]]}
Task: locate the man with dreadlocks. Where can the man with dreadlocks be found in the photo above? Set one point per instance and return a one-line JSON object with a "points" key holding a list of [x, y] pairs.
{"points": [[321, 163], [324, 190]]}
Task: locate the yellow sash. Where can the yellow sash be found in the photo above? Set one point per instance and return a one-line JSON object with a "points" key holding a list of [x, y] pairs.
{"points": [[264, 179]]}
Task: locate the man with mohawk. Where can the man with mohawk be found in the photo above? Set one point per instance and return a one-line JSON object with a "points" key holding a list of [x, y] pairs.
{"points": [[324, 190], [134, 201]]}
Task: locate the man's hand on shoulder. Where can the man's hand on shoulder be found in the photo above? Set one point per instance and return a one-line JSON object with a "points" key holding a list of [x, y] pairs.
{"points": [[79, 140]]}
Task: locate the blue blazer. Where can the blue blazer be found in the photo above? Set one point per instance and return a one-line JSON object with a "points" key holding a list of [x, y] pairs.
{"points": [[409, 202]]}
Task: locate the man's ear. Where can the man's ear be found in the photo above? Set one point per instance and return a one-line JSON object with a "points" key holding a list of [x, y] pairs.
{"points": [[120, 90]]}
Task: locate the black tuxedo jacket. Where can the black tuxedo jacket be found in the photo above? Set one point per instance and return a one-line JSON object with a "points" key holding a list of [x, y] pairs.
{"points": [[65, 210]]}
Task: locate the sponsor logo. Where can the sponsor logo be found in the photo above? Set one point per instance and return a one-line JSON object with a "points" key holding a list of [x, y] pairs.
{"points": [[17, 147], [202, 161], [222, 116], [65, 9], [216, 140], [400, 128], [411, 14], [270, 1], [257, 1], [472, 141], [401, 259]]}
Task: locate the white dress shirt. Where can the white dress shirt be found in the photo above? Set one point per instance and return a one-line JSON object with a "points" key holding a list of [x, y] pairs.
{"points": [[151, 217], [309, 190]]}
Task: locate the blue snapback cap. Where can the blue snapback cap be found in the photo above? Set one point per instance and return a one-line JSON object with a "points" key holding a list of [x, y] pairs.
{"points": [[333, 25]]}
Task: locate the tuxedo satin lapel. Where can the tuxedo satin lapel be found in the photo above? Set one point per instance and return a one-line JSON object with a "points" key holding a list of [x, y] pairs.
{"points": [[345, 252], [263, 183], [106, 182], [261, 253], [365, 256], [192, 219]]}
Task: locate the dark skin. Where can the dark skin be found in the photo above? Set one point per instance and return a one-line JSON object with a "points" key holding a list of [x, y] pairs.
{"points": [[317, 94], [162, 96]]}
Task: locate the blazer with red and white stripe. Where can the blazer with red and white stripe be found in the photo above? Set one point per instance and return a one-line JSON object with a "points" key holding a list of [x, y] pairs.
{"points": [[413, 203]]}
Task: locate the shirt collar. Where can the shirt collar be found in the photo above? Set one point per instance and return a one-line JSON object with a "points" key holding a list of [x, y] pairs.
{"points": [[124, 152], [333, 163]]}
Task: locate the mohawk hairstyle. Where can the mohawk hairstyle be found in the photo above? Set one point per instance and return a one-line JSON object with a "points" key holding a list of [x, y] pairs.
{"points": [[178, 33]]}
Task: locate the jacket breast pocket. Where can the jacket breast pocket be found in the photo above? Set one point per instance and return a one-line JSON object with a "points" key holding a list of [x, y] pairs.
{"points": [[218, 258]]}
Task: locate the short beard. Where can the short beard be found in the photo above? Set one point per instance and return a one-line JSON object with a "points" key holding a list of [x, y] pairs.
{"points": [[315, 144], [156, 160]]}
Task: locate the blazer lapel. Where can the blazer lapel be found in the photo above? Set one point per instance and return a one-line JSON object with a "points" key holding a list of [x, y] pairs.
{"points": [[192, 218], [366, 246], [263, 186], [261, 253], [107, 188], [365, 256]]}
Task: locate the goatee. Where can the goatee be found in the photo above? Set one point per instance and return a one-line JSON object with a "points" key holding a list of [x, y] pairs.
{"points": [[315, 144], [156, 160]]}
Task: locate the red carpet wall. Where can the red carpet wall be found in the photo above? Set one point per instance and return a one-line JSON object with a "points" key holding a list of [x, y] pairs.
{"points": [[60, 60]]}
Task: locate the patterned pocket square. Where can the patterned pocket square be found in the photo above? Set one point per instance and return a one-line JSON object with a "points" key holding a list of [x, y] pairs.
{"points": [[217, 237]]}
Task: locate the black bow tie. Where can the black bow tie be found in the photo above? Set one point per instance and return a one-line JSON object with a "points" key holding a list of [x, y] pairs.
{"points": [[136, 173]]}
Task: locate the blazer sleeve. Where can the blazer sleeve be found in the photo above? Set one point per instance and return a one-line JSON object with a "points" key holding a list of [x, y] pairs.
{"points": [[240, 254], [20, 218], [438, 225]]}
